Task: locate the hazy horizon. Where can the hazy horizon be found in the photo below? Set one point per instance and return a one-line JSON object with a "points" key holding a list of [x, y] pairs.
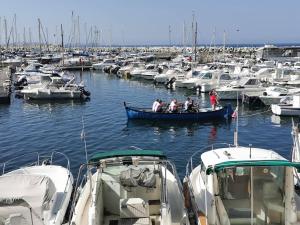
{"points": [[142, 23]]}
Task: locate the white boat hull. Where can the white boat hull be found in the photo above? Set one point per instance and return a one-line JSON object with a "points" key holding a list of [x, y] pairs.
{"points": [[232, 94], [60, 196], [269, 100], [51, 94], [285, 110]]}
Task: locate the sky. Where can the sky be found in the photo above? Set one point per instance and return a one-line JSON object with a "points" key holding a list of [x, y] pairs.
{"points": [[147, 22]]}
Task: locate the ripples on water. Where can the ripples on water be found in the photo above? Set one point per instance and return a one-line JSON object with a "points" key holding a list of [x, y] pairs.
{"points": [[44, 127]]}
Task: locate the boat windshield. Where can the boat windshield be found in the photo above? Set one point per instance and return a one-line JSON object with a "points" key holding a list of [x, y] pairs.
{"points": [[252, 195], [206, 76]]}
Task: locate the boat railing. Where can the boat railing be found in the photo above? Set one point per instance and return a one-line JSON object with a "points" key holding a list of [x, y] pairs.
{"points": [[196, 155], [38, 159], [80, 181]]}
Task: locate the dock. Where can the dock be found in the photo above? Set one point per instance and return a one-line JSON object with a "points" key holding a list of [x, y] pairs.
{"points": [[75, 67], [5, 85]]}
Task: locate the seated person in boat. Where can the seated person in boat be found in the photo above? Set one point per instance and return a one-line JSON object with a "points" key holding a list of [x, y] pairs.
{"points": [[189, 105], [155, 104], [173, 107], [159, 107], [213, 97]]}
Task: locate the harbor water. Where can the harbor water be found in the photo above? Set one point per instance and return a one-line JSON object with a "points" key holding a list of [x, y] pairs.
{"points": [[31, 126]]}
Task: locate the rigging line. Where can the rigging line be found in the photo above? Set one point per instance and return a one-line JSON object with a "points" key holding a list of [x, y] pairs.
{"points": [[254, 114]]}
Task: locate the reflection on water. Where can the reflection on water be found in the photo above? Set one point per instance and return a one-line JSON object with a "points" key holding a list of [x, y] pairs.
{"points": [[52, 104], [174, 127]]}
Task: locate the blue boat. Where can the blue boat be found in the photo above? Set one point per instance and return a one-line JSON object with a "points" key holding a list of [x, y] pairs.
{"points": [[204, 114]]}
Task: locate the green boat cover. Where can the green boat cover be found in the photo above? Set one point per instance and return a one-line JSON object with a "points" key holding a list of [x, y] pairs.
{"points": [[120, 153], [228, 164]]}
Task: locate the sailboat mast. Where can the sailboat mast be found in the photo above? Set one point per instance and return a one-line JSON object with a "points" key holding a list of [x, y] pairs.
{"points": [[62, 43], [30, 36], [224, 46], [193, 21], [184, 35], [62, 36], [215, 34], [169, 35], [0, 32], [78, 29], [24, 37], [195, 43], [40, 44], [5, 31]]}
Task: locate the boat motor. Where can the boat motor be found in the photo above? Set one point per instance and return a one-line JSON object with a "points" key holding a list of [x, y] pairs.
{"points": [[84, 92], [22, 81]]}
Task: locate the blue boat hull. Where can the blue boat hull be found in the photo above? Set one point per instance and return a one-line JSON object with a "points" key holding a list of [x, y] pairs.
{"points": [[146, 114]]}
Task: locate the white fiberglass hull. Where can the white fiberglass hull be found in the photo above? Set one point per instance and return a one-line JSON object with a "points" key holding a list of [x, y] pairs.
{"points": [[285, 110], [162, 78], [136, 73], [149, 75], [234, 93], [269, 100], [58, 194], [51, 94]]}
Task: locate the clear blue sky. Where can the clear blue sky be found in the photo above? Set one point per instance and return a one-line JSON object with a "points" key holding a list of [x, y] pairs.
{"points": [[147, 21]]}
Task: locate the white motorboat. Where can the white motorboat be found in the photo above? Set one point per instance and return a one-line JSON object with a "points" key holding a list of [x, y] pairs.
{"points": [[150, 72], [190, 78], [134, 65], [38, 194], [137, 72], [130, 187], [169, 75], [76, 61], [105, 63], [242, 185], [236, 89], [275, 94], [289, 106], [54, 88], [31, 68], [14, 62]]}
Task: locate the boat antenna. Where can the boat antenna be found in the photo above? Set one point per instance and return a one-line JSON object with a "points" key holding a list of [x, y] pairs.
{"points": [[82, 136], [236, 112]]}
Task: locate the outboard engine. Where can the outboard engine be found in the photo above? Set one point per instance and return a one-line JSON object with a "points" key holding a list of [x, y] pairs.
{"points": [[115, 69], [106, 69], [170, 83], [22, 81], [84, 92]]}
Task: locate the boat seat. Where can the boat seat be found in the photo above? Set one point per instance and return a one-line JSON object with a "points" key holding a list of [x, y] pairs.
{"points": [[16, 219], [134, 208], [135, 221]]}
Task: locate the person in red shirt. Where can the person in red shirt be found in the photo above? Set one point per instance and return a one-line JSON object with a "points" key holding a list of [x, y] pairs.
{"points": [[213, 99]]}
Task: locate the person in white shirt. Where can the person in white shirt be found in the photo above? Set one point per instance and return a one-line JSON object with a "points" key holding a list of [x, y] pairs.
{"points": [[155, 104], [159, 107], [173, 106], [187, 104]]}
